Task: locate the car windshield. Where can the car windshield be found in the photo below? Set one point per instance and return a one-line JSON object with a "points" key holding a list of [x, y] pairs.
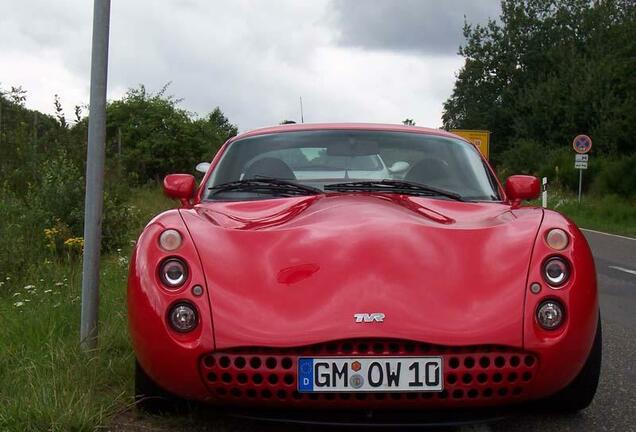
{"points": [[329, 159]]}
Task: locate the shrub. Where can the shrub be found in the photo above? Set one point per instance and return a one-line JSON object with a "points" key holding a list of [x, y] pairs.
{"points": [[21, 243], [617, 177], [604, 176], [59, 195], [559, 169], [157, 137], [119, 219], [523, 157], [46, 220]]}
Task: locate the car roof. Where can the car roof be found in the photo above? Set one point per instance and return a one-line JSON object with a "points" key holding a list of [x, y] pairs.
{"points": [[344, 126]]}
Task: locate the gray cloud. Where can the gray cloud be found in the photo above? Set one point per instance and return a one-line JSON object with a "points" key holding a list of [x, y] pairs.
{"points": [[251, 58], [427, 26]]}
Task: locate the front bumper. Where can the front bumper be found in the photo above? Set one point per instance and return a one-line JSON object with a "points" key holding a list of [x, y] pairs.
{"points": [[474, 376]]}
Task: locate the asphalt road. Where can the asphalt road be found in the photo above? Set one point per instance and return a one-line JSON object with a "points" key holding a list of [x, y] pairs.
{"points": [[613, 409]]}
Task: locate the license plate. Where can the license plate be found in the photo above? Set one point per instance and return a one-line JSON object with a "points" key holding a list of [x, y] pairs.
{"points": [[370, 374]]}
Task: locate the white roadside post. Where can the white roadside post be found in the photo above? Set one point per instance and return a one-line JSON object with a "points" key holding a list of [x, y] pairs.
{"points": [[544, 192], [95, 175]]}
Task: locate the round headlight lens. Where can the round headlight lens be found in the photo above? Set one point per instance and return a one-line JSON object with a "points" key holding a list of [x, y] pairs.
{"points": [[550, 314], [170, 240], [556, 271], [557, 239], [183, 317], [173, 273]]}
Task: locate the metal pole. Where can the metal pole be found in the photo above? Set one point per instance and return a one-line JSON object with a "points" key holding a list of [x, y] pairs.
{"points": [[95, 175], [302, 117], [580, 183]]}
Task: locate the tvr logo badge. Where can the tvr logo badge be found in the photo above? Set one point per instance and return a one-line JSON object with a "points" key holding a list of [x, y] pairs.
{"points": [[369, 317]]}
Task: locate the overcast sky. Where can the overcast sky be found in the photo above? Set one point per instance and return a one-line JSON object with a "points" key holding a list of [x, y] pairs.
{"points": [[350, 60]]}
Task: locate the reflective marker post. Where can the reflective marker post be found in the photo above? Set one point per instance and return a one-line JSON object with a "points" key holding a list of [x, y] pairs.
{"points": [[95, 175], [544, 192]]}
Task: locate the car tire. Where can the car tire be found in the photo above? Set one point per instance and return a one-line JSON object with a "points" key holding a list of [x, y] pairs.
{"points": [[579, 393], [152, 399]]}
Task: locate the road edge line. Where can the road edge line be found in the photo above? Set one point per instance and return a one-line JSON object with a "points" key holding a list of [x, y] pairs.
{"points": [[608, 234], [623, 269]]}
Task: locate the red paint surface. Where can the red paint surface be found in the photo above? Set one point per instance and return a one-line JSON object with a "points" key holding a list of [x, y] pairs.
{"points": [[522, 187], [372, 255], [179, 186]]}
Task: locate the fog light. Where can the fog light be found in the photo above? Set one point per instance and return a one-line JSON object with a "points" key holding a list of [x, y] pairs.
{"points": [[550, 314], [173, 273], [183, 317], [556, 271]]}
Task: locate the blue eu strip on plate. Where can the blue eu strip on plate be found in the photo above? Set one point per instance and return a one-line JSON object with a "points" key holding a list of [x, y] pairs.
{"points": [[305, 374]]}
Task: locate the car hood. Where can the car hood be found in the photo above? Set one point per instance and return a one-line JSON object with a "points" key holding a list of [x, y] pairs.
{"points": [[294, 271]]}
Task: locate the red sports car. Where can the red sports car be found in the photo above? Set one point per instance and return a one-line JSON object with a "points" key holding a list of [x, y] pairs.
{"points": [[361, 267]]}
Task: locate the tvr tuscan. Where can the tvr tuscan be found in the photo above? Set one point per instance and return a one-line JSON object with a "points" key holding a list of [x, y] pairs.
{"points": [[361, 267]]}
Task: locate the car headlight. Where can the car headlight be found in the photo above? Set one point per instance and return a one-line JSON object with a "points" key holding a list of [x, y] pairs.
{"points": [[170, 240], [183, 317], [550, 314], [173, 272], [556, 271], [557, 239]]}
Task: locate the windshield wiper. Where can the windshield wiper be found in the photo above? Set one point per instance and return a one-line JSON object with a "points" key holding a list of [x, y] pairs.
{"points": [[266, 185], [393, 186]]}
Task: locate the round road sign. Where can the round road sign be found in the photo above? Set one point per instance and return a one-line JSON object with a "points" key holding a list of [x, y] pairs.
{"points": [[582, 144]]}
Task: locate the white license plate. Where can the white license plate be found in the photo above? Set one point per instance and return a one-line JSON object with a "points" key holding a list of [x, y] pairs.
{"points": [[370, 374]]}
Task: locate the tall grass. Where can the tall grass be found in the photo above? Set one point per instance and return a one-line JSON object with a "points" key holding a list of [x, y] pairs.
{"points": [[609, 213], [46, 381]]}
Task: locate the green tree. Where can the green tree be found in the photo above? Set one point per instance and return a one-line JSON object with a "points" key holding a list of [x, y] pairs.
{"points": [[158, 137], [547, 70]]}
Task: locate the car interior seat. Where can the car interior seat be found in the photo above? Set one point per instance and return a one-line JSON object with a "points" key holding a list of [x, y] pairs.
{"points": [[269, 167], [428, 171]]}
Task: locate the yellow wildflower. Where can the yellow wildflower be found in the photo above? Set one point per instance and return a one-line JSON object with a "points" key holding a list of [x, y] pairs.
{"points": [[74, 243]]}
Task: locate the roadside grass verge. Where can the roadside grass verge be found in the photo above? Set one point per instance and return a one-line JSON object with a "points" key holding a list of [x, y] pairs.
{"points": [[608, 213], [47, 383]]}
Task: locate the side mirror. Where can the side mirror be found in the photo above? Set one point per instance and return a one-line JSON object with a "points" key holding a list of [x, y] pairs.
{"points": [[399, 166], [203, 167], [179, 186], [522, 187]]}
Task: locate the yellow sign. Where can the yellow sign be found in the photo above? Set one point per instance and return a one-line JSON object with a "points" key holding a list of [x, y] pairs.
{"points": [[480, 138]]}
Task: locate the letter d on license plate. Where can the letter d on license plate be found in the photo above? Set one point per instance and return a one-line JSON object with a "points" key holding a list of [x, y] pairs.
{"points": [[370, 374]]}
